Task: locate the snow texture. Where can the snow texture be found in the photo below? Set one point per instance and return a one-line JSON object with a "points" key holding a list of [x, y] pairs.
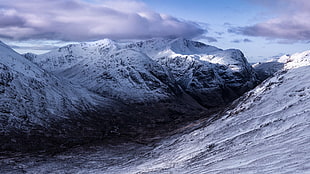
{"points": [[264, 131]]}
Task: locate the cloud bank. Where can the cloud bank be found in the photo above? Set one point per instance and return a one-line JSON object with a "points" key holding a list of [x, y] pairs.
{"points": [[292, 22], [77, 20]]}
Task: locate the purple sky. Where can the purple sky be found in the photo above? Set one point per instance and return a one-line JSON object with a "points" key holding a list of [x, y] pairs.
{"points": [[74, 20], [260, 28]]}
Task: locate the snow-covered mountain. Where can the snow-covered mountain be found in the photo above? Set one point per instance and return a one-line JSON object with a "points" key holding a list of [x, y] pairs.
{"points": [[268, 68], [264, 131], [153, 70], [95, 90], [35, 103], [296, 60]]}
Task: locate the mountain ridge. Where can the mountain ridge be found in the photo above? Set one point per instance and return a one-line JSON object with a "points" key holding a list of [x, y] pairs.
{"points": [[177, 59]]}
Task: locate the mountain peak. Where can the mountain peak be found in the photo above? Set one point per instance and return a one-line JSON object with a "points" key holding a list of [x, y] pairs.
{"points": [[103, 42], [296, 60]]}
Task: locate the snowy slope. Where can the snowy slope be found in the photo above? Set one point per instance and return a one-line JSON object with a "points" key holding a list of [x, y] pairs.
{"points": [[268, 132], [153, 70], [296, 60], [33, 102], [265, 131]]}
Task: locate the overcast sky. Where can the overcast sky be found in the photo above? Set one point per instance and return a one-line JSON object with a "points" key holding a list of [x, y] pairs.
{"points": [[260, 28]]}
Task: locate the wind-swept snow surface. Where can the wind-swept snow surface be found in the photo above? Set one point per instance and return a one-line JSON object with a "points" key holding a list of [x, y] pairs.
{"points": [[265, 131]]}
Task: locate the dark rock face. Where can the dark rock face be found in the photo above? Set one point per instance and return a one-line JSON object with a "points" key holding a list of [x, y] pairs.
{"points": [[103, 90], [267, 69], [211, 84]]}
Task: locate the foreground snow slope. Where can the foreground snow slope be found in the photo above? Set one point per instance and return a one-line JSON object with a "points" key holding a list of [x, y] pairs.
{"points": [[265, 131]]}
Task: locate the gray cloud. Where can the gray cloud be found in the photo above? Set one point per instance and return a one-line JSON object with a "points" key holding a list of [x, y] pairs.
{"points": [[8, 19], [76, 20], [292, 22], [241, 40], [236, 41]]}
